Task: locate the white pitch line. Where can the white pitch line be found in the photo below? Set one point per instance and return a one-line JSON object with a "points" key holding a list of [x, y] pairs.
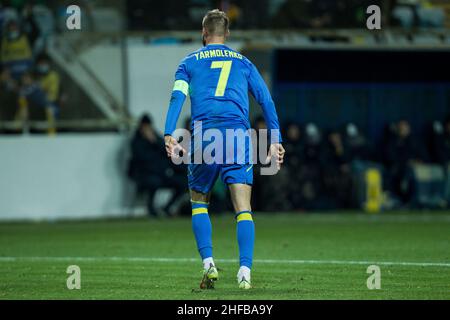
{"points": [[261, 261]]}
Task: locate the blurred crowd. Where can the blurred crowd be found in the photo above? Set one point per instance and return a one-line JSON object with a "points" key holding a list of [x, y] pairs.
{"points": [[285, 14], [323, 170], [29, 85], [145, 15]]}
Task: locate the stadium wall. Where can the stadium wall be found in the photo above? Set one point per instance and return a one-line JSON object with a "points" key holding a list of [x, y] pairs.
{"points": [[151, 70], [63, 177], [371, 88], [105, 60]]}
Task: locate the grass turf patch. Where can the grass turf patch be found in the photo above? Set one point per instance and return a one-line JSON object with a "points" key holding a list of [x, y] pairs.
{"points": [[280, 239]]}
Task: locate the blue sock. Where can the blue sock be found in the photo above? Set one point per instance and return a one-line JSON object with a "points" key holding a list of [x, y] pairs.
{"points": [[245, 230], [201, 225]]}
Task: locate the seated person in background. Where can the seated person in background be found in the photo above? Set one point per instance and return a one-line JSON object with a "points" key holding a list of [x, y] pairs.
{"points": [[264, 187], [33, 98], [49, 82], [150, 169], [15, 50], [294, 153], [356, 144], [401, 152], [310, 170], [337, 175], [312, 153], [293, 145], [336, 153], [441, 144]]}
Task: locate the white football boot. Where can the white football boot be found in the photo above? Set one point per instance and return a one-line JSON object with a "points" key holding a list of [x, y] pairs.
{"points": [[243, 278]]}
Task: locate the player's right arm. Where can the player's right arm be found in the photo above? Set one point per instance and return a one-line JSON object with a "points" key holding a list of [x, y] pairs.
{"points": [[179, 93], [261, 93]]}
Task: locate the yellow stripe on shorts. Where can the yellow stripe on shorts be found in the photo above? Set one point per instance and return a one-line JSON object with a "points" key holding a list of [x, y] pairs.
{"points": [[199, 211], [244, 217]]}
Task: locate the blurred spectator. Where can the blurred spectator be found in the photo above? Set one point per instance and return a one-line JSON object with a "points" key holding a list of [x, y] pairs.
{"points": [[266, 186], [337, 176], [418, 13], [233, 12], [6, 13], [15, 52], [293, 162], [434, 133], [322, 14], [441, 142], [293, 145], [49, 82], [33, 100], [336, 153], [310, 172], [356, 144], [31, 90], [313, 145], [150, 169], [401, 152]]}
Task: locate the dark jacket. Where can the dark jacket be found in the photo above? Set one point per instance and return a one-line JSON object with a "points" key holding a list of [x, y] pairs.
{"points": [[147, 158], [401, 151]]}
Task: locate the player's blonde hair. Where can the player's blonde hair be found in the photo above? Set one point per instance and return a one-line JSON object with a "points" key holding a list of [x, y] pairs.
{"points": [[216, 22]]}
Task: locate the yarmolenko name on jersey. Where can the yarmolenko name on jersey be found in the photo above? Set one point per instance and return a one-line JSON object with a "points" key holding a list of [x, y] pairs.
{"points": [[214, 53]]}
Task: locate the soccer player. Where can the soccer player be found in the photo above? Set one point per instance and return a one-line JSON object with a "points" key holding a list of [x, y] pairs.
{"points": [[218, 80]]}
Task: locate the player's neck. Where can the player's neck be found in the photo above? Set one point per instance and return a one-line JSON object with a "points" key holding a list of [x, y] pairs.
{"points": [[215, 40]]}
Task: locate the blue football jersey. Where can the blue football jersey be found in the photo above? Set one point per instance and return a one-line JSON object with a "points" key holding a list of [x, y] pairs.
{"points": [[218, 80]]}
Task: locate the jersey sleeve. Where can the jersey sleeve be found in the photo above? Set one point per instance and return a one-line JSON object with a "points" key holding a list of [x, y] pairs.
{"points": [[260, 92], [179, 93]]}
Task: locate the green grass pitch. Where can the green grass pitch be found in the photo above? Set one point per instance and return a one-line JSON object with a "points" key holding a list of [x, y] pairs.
{"points": [[297, 256]]}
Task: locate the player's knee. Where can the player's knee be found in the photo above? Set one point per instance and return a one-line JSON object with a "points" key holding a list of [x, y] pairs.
{"points": [[242, 207], [199, 197]]}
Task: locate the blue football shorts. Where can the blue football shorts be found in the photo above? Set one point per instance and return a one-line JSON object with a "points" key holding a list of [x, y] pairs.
{"points": [[235, 169]]}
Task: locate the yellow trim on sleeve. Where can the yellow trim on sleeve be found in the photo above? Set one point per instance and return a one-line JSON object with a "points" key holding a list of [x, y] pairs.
{"points": [[181, 85], [199, 211], [244, 217]]}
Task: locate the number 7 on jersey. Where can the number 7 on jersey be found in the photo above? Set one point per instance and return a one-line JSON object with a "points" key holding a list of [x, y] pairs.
{"points": [[223, 77]]}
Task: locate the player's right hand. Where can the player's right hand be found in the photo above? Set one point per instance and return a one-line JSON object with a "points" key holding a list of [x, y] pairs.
{"points": [[276, 152], [173, 148]]}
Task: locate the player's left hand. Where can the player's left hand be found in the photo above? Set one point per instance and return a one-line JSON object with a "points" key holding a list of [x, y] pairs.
{"points": [[276, 152], [173, 148]]}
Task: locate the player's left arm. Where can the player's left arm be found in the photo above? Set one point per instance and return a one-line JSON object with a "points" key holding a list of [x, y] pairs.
{"points": [[261, 93], [178, 97]]}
